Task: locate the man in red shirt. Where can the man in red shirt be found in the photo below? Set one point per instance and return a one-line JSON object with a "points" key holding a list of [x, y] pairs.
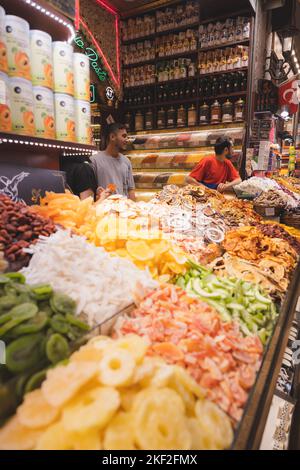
{"points": [[216, 172]]}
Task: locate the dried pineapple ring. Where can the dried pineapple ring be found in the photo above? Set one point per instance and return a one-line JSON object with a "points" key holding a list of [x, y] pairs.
{"points": [[187, 396], [159, 420], [100, 342], [144, 372], [127, 397], [55, 438], [215, 423], [35, 412], [87, 354], [116, 368], [188, 382], [15, 436], [92, 409], [135, 345], [91, 440], [200, 439], [63, 382], [119, 433]]}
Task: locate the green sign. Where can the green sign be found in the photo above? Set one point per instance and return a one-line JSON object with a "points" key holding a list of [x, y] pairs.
{"points": [[95, 61], [92, 94]]}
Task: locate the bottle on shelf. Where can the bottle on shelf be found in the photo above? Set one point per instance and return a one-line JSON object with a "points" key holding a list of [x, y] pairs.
{"points": [[139, 121], [239, 110], [227, 112], [181, 117], [161, 119], [128, 121], [192, 116], [215, 112], [149, 120], [204, 114], [171, 117]]}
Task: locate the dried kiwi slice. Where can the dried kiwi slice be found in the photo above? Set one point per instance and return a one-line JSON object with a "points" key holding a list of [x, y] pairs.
{"points": [[60, 324], [61, 303], [42, 292], [36, 380], [35, 324], [16, 277], [57, 348], [24, 353]]}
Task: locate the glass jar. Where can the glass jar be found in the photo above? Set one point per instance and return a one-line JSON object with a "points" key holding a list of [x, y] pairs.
{"points": [[139, 121], [161, 119], [171, 117], [192, 116], [192, 70], [215, 112], [239, 109], [128, 121], [149, 120], [181, 117], [204, 114], [227, 112]]}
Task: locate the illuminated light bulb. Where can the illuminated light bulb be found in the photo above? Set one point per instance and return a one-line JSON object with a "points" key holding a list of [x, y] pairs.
{"points": [[26, 143]]}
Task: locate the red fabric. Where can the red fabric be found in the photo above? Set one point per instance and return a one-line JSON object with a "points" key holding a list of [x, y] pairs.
{"points": [[288, 95], [211, 171]]}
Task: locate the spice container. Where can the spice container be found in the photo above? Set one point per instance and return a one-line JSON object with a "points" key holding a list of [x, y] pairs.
{"points": [[239, 109], [192, 116], [181, 117], [204, 114], [215, 112], [161, 119], [149, 120], [227, 112], [139, 121], [171, 117]]}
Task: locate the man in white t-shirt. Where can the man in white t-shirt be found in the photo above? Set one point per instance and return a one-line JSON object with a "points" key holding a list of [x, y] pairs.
{"points": [[113, 168]]}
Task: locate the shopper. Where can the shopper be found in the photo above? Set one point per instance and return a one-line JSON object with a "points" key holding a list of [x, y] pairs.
{"points": [[79, 176], [217, 171], [113, 168]]}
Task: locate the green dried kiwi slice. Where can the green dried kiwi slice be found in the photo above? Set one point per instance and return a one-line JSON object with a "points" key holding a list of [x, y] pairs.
{"points": [[16, 319], [61, 303], [24, 353], [16, 277], [36, 380], [7, 302], [57, 348], [59, 324], [41, 292], [76, 322], [33, 325]]}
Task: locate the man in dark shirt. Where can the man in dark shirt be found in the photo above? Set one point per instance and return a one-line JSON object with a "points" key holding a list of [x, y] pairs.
{"points": [[80, 176]]}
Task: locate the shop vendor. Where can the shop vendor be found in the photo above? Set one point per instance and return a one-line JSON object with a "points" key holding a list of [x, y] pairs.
{"points": [[216, 171]]}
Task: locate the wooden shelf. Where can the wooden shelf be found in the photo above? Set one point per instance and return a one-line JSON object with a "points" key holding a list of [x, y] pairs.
{"points": [[178, 29], [139, 86], [141, 38], [224, 72], [198, 128], [139, 64], [177, 80], [223, 46], [179, 55], [225, 95]]}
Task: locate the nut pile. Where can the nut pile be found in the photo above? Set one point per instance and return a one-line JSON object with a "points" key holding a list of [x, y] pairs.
{"points": [[19, 228]]}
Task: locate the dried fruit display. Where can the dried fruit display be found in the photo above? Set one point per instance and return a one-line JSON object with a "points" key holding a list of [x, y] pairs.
{"points": [[188, 332], [250, 244], [271, 198], [112, 396], [235, 300], [19, 228], [276, 231], [37, 326]]}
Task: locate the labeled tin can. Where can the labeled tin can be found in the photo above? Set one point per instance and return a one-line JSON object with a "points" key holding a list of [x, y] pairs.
{"points": [[63, 67], [41, 59], [21, 98], [83, 122], [5, 110], [81, 66], [44, 112], [18, 47], [64, 117], [3, 51]]}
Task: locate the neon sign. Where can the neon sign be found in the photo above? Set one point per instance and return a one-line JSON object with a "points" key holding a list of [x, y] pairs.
{"points": [[93, 57]]}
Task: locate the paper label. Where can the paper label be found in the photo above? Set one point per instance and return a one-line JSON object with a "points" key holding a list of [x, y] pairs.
{"points": [[270, 211]]}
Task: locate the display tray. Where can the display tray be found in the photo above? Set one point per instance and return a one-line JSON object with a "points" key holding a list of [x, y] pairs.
{"points": [[251, 428]]}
